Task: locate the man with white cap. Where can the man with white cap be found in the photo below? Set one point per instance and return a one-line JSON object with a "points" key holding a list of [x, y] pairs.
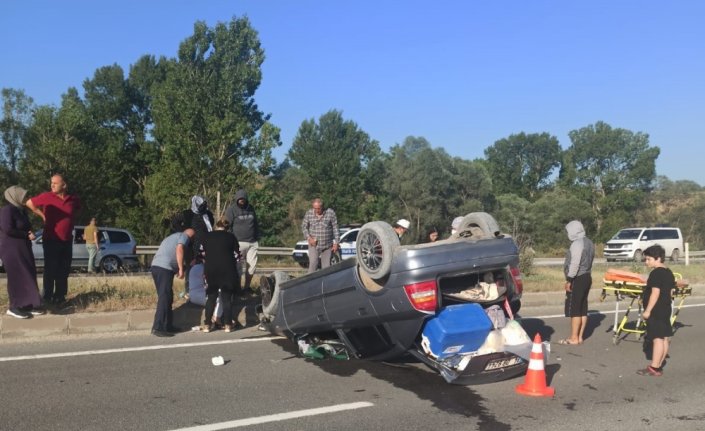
{"points": [[455, 225], [401, 227]]}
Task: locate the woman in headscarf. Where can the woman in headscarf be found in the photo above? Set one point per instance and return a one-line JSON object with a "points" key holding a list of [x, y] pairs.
{"points": [[17, 257]]}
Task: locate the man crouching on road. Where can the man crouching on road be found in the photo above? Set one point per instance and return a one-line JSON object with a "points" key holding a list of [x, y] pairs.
{"points": [[168, 260]]}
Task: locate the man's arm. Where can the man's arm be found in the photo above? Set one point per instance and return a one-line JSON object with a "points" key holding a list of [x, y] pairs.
{"points": [[180, 259], [35, 209]]}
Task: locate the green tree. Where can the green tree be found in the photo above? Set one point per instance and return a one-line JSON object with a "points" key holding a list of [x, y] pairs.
{"points": [[550, 213], [16, 119], [211, 134], [428, 187], [606, 165], [522, 164], [332, 156]]}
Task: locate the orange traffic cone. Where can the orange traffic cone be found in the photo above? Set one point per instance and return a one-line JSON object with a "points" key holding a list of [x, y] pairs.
{"points": [[535, 382]]}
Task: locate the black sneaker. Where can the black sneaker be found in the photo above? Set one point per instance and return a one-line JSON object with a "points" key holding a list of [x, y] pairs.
{"points": [[16, 312]]}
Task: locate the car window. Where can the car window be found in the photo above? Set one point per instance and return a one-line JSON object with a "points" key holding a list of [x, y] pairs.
{"points": [[350, 237], [627, 234], [118, 236], [78, 236]]}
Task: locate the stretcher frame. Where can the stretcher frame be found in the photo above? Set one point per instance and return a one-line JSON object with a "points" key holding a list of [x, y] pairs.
{"points": [[633, 290]]}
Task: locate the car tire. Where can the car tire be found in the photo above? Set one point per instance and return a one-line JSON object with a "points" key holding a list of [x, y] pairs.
{"points": [[375, 246], [638, 256], [477, 225], [675, 255], [110, 264], [270, 293]]}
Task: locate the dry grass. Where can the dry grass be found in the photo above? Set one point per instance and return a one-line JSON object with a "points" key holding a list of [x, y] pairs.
{"points": [[550, 279], [137, 292]]}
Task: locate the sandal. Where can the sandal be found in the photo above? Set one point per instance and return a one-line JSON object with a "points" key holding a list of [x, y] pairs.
{"points": [[566, 341], [650, 371]]}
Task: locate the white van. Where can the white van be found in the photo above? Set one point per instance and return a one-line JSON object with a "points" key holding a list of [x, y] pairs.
{"points": [[629, 244]]}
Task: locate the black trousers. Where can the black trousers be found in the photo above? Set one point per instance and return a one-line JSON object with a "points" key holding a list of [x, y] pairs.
{"points": [[57, 266], [227, 297], [164, 282]]}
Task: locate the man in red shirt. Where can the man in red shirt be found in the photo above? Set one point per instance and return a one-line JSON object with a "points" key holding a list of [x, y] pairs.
{"points": [[58, 209]]}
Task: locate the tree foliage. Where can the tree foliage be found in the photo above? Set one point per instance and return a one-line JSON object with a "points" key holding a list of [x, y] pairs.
{"points": [[332, 155], [211, 135], [604, 165], [522, 164], [16, 119]]}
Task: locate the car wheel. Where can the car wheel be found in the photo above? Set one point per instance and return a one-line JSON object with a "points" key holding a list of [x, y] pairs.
{"points": [[638, 256], [269, 292], [375, 246], [675, 255], [477, 225], [110, 264]]}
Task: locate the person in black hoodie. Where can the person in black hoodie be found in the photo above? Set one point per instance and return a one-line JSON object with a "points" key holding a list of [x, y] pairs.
{"points": [[200, 219], [243, 223]]}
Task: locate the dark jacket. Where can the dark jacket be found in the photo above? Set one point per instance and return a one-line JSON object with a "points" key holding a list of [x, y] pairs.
{"points": [[243, 220]]}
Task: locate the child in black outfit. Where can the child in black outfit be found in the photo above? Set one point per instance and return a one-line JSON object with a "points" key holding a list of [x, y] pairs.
{"points": [[657, 308]]}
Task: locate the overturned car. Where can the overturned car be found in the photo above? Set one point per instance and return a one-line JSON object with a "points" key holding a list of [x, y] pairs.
{"points": [[433, 301]]}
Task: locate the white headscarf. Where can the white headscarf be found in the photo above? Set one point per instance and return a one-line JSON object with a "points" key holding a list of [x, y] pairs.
{"points": [[15, 195]]}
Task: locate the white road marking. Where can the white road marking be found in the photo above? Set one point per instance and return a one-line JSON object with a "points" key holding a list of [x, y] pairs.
{"points": [[133, 349], [553, 316], [278, 417]]}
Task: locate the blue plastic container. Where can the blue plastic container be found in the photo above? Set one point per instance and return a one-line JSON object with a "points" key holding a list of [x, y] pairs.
{"points": [[456, 329]]}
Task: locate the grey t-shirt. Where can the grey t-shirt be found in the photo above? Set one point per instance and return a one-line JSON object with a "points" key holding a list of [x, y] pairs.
{"points": [[166, 254]]}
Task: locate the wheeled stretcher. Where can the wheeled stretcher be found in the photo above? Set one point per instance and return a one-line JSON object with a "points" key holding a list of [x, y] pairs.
{"points": [[629, 285]]}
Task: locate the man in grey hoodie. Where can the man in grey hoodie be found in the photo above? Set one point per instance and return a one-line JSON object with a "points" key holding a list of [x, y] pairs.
{"points": [[243, 223], [577, 269]]}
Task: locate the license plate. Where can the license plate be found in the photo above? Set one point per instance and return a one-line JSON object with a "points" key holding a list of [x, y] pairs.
{"points": [[502, 363]]}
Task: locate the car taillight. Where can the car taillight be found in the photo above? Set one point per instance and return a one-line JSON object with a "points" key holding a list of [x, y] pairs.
{"points": [[422, 295], [516, 277]]}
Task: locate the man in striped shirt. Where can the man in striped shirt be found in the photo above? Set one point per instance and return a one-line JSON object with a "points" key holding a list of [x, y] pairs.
{"points": [[320, 229]]}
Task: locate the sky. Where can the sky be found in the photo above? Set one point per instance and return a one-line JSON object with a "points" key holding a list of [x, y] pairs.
{"points": [[462, 74]]}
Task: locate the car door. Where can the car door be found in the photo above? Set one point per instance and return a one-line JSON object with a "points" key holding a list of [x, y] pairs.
{"points": [[347, 244], [80, 253]]}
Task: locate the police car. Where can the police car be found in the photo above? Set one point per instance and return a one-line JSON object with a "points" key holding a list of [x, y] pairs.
{"points": [[348, 238]]}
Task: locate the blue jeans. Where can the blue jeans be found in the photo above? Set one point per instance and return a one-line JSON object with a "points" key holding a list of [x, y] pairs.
{"points": [[92, 252]]}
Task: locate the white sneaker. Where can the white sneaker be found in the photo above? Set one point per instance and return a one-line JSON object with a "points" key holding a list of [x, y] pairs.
{"points": [[18, 313]]}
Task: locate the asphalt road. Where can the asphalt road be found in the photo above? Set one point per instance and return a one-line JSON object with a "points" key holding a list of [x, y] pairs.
{"points": [[139, 382]]}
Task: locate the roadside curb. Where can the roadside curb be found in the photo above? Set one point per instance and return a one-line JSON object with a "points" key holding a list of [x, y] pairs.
{"points": [[186, 316]]}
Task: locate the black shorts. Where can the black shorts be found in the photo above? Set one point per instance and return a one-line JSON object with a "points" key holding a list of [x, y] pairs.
{"points": [[576, 302], [659, 326]]}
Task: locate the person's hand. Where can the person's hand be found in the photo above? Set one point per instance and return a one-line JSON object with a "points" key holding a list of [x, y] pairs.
{"points": [[312, 241], [335, 248], [180, 275], [568, 286], [646, 314], [32, 237]]}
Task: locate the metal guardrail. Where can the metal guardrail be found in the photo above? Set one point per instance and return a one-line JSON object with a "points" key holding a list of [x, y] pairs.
{"points": [[147, 250]]}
